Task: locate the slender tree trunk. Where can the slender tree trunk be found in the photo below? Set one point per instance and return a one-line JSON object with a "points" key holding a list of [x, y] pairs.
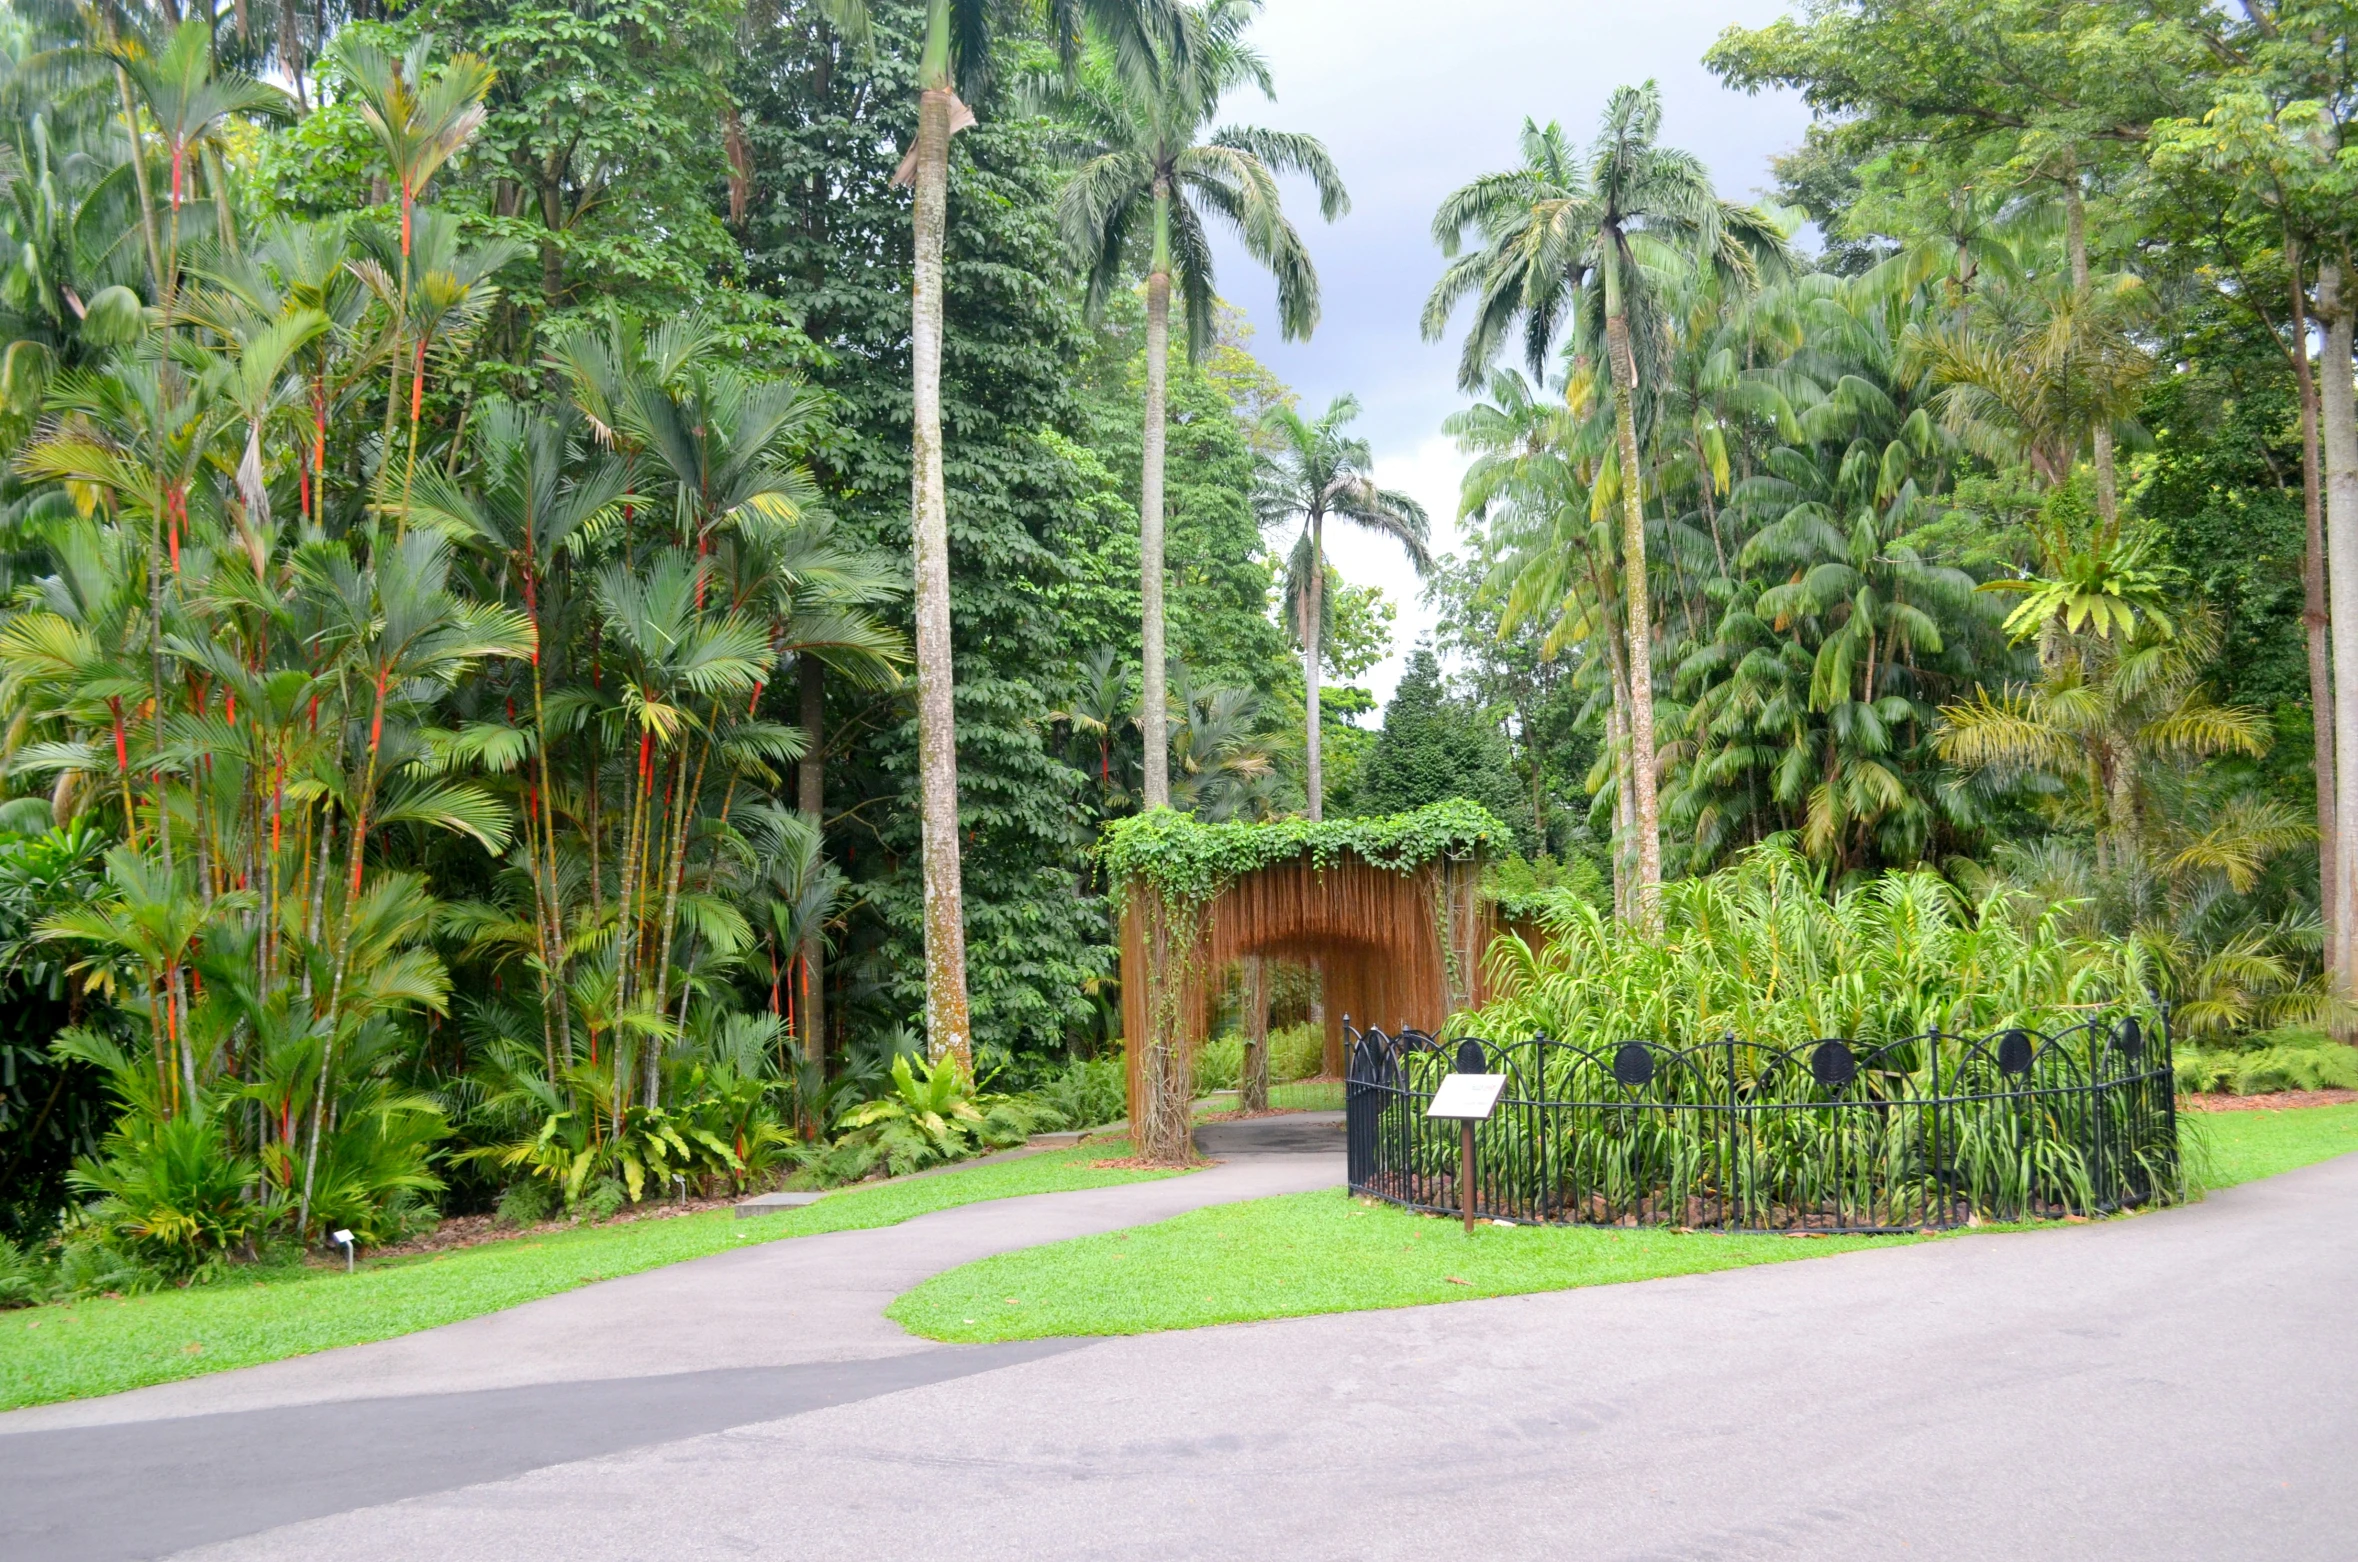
{"points": [[1641, 628], [811, 787], [1252, 1082], [1313, 632], [2316, 622], [1152, 710], [2075, 231], [2339, 427], [1617, 746], [949, 1032], [147, 200]]}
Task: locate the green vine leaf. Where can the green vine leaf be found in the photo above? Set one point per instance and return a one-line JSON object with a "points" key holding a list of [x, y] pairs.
{"points": [[1191, 862]]}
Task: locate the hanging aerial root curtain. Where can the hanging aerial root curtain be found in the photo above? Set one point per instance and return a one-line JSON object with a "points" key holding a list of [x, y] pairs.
{"points": [[1390, 913]]}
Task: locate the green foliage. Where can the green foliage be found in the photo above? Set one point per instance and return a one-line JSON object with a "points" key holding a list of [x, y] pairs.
{"points": [[1531, 891], [2274, 1060], [1218, 1063], [580, 1152], [1296, 1052], [173, 1194], [52, 1108], [1189, 862], [1767, 951], [933, 1114], [1435, 747], [1088, 1093], [528, 1202], [830, 239], [22, 1278]]}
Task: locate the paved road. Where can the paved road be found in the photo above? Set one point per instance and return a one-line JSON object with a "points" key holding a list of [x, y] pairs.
{"points": [[2176, 1386]]}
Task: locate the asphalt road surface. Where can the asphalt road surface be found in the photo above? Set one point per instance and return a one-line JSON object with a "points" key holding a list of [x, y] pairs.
{"points": [[2173, 1386]]}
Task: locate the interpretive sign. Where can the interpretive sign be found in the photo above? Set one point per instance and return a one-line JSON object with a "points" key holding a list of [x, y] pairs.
{"points": [[1467, 1097]]}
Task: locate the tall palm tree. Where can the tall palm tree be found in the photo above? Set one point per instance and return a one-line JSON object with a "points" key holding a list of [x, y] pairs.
{"points": [[953, 57], [192, 106], [1317, 473], [1147, 182], [1564, 242]]}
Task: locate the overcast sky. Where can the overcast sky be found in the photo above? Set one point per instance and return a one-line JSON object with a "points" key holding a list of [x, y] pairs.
{"points": [[1413, 99]]}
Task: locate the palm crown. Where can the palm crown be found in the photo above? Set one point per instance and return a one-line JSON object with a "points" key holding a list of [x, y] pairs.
{"points": [[1562, 239], [1148, 166]]}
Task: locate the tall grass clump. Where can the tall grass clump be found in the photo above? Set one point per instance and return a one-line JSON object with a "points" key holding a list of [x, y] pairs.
{"points": [[1766, 950]]}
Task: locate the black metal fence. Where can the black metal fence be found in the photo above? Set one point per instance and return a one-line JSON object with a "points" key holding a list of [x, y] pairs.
{"points": [[1924, 1133]]}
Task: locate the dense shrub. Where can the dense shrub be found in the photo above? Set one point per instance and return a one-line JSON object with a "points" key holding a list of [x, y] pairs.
{"points": [[2276, 1060], [1768, 951], [1088, 1094], [1296, 1052]]}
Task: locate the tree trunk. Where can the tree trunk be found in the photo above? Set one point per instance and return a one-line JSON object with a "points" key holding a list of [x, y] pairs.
{"points": [[1313, 631], [1641, 629], [2339, 420], [1152, 709], [811, 785], [2075, 232], [2317, 623], [1252, 1081], [949, 1033]]}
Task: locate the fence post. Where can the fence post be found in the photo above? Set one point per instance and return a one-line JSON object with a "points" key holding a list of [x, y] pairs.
{"points": [[1939, 1116], [1727, 1209]]}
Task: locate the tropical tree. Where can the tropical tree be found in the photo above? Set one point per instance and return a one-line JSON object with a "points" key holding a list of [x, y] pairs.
{"points": [[192, 105], [954, 57], [1149, 177], [2101, 721], [1316, 471], [1564, 243]]}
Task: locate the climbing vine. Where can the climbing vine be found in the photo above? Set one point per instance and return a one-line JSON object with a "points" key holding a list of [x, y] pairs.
{"points": [[1190, 862]]}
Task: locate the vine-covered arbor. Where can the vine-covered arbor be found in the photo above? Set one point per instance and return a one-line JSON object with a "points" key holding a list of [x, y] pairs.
{"points": [[1389, 912]]}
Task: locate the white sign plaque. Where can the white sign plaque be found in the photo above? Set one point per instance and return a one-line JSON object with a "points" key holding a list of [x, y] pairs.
{"points": [[1467, 1097]]}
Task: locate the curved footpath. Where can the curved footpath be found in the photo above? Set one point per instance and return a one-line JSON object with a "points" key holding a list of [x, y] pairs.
{"points": [[2173, 1386]]}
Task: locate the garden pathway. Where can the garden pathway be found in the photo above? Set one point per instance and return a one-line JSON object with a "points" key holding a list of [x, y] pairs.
{"points": [[2172, 1386]]}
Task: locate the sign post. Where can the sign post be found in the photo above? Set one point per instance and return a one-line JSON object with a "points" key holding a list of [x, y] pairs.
{"points": [[1469, 1098]]}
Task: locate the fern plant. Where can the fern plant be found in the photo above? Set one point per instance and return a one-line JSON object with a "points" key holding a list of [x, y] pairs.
{"points": [[933, 1114]]}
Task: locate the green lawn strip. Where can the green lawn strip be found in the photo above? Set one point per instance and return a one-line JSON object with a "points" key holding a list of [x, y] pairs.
{"points": [[1308, 1095], [73, 1350], [1322, 1252], [2243, 1145], [1299, 1254]]}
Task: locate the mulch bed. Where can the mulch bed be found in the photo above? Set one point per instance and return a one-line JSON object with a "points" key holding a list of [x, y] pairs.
{"points": [[1246, 1117], [2274, 1102]]}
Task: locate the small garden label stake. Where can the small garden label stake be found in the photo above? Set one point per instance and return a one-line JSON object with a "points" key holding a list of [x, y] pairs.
{"points": [[1470, 1098]]}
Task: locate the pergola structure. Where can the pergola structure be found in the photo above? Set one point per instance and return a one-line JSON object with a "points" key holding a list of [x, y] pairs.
{"points": [[1389, 912]]}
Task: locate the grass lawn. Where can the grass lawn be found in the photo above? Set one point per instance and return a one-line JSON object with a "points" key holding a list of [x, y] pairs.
{"points": [[73, 1350], [1322, 1252], [1303, 1095], [1298, 1254], [2247, 1144]]}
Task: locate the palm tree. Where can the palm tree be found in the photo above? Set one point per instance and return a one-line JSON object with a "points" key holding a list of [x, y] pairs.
{"points": [[1098, 706], [1150, 166], [192, 106], [1318, 472], [1562, 242], [953, 57], [535, 500], [2101, 722]]}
